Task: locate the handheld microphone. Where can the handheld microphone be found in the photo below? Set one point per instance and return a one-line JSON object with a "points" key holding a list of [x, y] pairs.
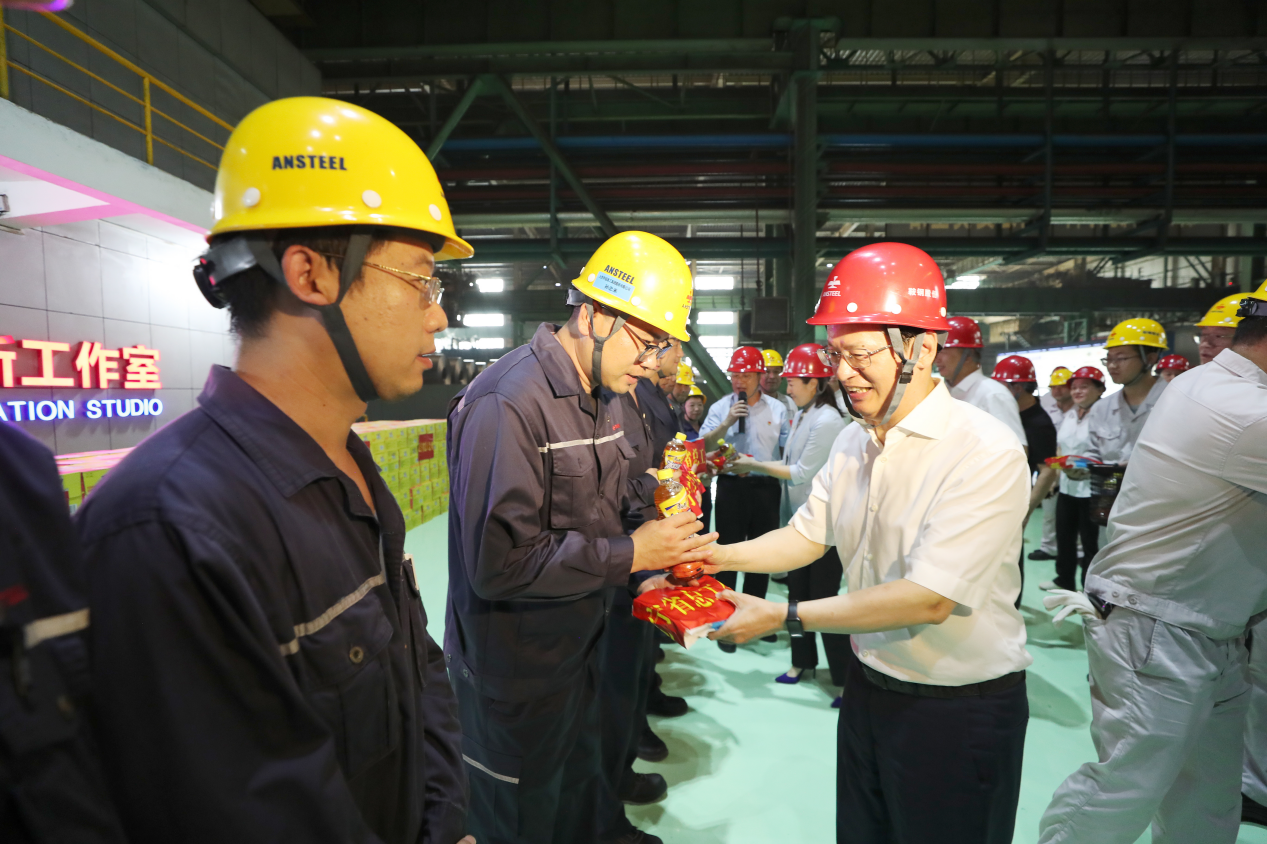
{"points": [[743, 420]]}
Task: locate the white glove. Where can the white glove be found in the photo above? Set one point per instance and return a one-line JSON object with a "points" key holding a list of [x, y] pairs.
{"points": [[1070, 602]]}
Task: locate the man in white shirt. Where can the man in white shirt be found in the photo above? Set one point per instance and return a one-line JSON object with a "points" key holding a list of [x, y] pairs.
{"points": [[1131, 352], [1170, 598], [772, 380], [959, 362], [747, 506], [1058, 402], [923, 501]]}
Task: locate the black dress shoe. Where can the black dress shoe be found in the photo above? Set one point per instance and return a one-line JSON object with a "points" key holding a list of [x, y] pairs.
{"points": [[726, 647], [1252, 811], [651, 748], [635, 836], [773, 637], [666, 706], [1038, 555], [642, 789]]}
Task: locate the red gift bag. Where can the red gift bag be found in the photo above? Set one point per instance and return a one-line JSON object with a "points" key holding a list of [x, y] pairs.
{"points": [[686, 613]]}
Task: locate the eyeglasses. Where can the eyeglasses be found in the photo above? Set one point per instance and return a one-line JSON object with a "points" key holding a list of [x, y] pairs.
{"points": [[429, 293], [832, 358], [648, 349], [1118, 360]]}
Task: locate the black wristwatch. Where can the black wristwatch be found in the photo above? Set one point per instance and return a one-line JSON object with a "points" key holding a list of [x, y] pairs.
{"points": [[794, 625]]}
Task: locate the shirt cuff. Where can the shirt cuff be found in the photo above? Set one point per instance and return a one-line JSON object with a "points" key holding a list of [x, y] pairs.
{"points": [[948, 586], [620, 554], [799, 475], [804, 524]]}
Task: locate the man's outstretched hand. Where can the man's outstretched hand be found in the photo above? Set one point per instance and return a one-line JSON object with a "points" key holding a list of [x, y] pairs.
{"points": [[754, 617], [666, 542]]}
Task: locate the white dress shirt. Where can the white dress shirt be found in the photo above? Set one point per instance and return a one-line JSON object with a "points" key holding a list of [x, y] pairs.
{"points": [[1048, 402], [1115, 427], [1188, 533], [992, 397], [765, 418], [1074, 437], [940, 503], [814, 431]]}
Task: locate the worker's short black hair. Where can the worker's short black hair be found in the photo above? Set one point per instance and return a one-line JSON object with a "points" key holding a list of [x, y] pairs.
{"points": [[253, 294], [1030, 387], [1251, 331]]}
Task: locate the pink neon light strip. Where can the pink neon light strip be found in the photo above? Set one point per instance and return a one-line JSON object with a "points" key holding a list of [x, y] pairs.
{"points": [[114, 206]]}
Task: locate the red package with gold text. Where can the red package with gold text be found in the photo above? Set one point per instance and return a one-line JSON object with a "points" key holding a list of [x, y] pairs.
{"points": [[686, 613]]}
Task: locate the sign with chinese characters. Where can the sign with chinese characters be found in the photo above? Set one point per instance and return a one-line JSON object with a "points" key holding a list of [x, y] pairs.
{"points": [[95, 368]]}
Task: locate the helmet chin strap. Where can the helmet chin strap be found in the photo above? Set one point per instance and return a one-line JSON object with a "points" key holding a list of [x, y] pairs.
{"points": [[596, 363], [899, 389], [1143, 356], [332, 315], [954, 376]]}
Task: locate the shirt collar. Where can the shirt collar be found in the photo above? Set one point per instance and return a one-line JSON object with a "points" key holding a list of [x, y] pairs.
{"points": [[931, 417], [1238, 364], [558, 367], [966, 383], [285, 452]]}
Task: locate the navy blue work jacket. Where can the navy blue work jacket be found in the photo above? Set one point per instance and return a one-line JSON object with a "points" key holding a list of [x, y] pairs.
{"points": [[537, 474], [51, 784], [260, 655]]}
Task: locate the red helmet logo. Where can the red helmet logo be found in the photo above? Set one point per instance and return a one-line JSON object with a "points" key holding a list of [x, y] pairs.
{"points": [[746, 359]]}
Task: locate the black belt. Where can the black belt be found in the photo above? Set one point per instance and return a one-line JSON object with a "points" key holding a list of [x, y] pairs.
{"points": [[989, 687]]}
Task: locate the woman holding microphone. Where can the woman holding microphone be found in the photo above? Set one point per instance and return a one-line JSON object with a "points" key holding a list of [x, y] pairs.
{"points": [[817, 423]]}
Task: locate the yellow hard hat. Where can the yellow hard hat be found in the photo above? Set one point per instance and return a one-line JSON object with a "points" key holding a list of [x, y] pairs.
{"points": [[772, 358], [1261, 292], [684, 374], [1137, 332], [1222, 314], [696, 391], [1060, 376], [312, 161], [642, 276]]}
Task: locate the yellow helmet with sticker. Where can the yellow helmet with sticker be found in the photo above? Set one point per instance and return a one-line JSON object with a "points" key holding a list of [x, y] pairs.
{"points": [[1137, 332], [641, 276], [1222, 314], [695, 391], [312, 161], [684, 374], [1060, 376], [772, 358]]}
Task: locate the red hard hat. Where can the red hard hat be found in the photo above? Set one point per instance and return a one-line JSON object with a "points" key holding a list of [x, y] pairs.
{"points": [[803, 362], [747, 359], [1089, 372], [884, 284], [1013, 369], [1178, 363], [964, 334]]}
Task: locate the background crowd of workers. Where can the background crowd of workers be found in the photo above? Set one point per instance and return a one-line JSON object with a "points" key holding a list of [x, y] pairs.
{"points": [[237, 593]]}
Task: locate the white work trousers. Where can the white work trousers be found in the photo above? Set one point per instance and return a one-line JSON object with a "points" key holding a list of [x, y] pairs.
{"points": [[1049, 525], [1254, 775], [1167, 718]]}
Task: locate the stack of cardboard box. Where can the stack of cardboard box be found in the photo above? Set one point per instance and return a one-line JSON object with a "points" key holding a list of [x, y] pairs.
{"points": [[410, 455]]}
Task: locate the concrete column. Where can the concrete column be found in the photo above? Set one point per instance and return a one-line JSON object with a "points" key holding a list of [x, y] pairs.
{"points": [[804, 293]]}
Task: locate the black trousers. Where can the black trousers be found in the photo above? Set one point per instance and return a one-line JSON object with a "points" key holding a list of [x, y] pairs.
{"points": [[1073, 520], [820, 579], [533, 765], [625, 672], [914, 770], [746, 508]]}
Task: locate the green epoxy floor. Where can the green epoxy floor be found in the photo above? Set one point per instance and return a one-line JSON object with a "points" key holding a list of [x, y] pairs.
{"points": [[753, 762]]}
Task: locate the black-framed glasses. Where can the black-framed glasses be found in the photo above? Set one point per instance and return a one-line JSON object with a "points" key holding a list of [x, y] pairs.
{"points": [[1107, 361], [856, 361], [430, 289], [648, 348]]}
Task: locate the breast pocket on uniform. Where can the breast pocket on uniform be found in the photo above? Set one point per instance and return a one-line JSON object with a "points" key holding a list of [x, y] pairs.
{"points": [[347, 674], [573, 487]]}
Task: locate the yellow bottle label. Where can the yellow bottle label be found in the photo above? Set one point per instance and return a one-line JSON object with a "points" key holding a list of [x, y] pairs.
{"points": [[673, 504]]}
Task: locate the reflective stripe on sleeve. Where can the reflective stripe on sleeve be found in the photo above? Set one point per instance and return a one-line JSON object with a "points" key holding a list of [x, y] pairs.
{"points": [[54, 626], [310, 627], [493, 774], [586, 441]]}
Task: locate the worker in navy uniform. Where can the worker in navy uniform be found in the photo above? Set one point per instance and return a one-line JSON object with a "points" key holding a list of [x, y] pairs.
{"points": [[261, 663], [51, 783], [538, 461]]}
